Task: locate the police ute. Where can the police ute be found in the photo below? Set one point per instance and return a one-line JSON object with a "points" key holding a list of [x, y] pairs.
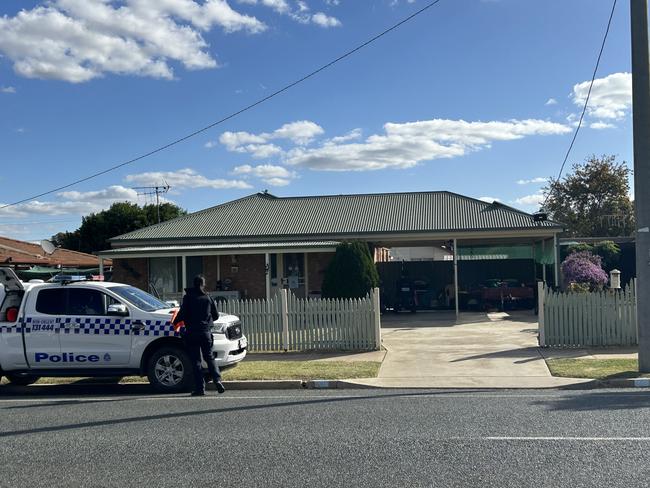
{"points": [[80, 327]]}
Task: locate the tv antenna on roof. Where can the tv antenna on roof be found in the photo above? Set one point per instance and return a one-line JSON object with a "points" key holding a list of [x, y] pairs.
{"points": [[154, 190]]}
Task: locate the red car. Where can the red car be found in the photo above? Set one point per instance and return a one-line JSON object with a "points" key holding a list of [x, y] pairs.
{"points": [[508, 293]]}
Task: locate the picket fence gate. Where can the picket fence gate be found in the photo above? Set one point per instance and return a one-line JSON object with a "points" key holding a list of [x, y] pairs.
{"points": [[601, 318], [288, 323]]}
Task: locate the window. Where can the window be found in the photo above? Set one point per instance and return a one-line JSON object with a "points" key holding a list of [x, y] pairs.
{"points": [[82, 301], [51, 301], [139, 298], [164, 276]]}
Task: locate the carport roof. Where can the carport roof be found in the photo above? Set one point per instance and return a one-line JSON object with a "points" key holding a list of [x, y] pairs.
{"points": [[264, 216]]}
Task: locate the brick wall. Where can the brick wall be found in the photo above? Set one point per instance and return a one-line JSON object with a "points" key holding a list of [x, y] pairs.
{"points": [[250, 278], [317, 263], [132, 271], [210, 272]]}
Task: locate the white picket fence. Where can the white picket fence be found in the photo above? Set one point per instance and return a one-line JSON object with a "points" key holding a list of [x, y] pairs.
{"points": [[604, 318], [288, 323]]}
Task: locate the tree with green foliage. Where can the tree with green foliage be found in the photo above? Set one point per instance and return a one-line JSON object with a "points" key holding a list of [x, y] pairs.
{"points": [[593, 200], [351, 273], [120, 218]]}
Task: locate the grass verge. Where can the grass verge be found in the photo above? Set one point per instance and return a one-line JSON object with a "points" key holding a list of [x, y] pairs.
{"points": [[599, 369], [259, 370]]}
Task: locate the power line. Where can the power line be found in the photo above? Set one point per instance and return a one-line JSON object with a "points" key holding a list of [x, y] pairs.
{"points": [[584, 108], [234, 114]]}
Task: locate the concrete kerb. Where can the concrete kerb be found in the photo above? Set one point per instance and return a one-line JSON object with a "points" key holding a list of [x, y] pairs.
{"points": [[625, 383], [358, 385]]}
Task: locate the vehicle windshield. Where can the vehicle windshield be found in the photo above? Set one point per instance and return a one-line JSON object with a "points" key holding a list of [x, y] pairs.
{"points": [[139, 298]]}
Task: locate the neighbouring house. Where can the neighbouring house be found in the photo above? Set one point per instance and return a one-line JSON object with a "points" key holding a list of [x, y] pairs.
{"points": [[30, 260], [252, 246]]}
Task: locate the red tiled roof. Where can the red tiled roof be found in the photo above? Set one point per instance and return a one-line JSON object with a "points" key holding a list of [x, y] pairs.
{"points": [[21, 252]]}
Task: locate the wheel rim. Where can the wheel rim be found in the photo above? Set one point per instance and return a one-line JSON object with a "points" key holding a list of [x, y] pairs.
{"points": [[169, 370]]}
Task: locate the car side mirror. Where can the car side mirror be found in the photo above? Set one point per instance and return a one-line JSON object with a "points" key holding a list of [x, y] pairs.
{"points": [[118, 309]]}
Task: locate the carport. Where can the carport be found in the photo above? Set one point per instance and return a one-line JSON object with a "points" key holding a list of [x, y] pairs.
{"points": [[483, 271]]}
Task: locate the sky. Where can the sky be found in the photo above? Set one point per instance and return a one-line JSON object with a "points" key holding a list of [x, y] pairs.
{"points": [[478, 97]]}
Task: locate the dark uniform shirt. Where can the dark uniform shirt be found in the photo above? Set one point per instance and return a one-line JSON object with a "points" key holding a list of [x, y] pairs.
{"points": [[198, 311]]}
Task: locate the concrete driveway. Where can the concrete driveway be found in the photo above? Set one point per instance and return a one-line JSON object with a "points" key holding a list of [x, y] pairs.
{"points": [[481, 350]]}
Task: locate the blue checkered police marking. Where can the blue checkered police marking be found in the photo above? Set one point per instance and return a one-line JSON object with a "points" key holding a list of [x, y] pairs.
{"points": [[97, 326], [11, 329]]}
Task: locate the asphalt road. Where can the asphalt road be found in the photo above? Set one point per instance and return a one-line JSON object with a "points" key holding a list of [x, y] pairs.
{"points": [[121, 436]]}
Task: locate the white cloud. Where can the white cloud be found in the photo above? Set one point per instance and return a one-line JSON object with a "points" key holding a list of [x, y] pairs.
{"points": [[280, 6], [301, 13], [73, 202], [301, 132], [405, 145], [489, 199], [233, 140], [551, 101], [278, 181], [270, 174], [350, 136], [530, 200], [611, 96], [184, 178], [599, 125], [78, 40], [261, 151], [7, 89], [324, 20], [539, 179], [112, 193]]}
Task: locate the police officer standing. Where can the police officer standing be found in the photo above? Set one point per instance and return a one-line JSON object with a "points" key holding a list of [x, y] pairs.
{"points": [[198, 311]]}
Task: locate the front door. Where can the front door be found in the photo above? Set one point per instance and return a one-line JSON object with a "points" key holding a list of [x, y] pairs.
{"points": [[89, 335], [294, 273]]}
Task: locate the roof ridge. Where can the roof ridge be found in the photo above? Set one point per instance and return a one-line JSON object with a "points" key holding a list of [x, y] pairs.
{"points": [[19, 241], [190, 214], [296, 197]]}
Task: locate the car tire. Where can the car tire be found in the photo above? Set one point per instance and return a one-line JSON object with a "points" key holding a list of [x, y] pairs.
{"points": [[22, 379], [170, 370]]}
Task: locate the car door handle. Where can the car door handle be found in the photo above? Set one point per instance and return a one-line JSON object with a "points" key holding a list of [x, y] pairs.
{"points": [[137, 325]]}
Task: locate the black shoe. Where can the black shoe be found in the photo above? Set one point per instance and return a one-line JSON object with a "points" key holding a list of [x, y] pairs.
{"points": [[220, 387], [197, 393]]}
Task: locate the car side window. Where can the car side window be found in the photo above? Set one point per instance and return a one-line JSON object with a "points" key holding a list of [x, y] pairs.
{"points": [[83, 301], [51, 301]]}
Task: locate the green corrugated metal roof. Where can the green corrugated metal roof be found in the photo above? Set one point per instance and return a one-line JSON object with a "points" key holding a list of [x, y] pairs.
{"points": [[262, 215]]}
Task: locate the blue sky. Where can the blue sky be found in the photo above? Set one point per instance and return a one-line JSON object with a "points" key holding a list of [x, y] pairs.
{"points": [[474, 96]]}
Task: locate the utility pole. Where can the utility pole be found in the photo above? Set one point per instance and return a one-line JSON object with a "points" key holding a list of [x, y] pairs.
{"points": [[641, 134]]}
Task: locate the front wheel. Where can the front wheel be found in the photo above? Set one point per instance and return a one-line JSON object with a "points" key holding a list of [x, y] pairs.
{"points": [[170, 370], [22, 379]]}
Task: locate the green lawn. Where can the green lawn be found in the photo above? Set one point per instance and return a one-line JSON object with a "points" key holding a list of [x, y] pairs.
{"points": [[262, 370], [302, 370], [599, 369]]}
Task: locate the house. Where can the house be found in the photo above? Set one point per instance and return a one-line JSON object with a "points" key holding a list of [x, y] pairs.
{"points": [[252, 246], [30, 260]]}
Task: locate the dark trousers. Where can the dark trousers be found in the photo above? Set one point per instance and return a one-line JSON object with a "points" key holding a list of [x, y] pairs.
{"points": [[200, 343]]}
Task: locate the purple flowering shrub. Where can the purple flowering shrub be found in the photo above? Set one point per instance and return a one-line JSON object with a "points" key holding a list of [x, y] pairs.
{"points": [[584, 268]]}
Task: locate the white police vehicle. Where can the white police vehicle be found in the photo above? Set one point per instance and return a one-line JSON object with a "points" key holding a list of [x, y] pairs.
{"points": [[96, 328]]}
